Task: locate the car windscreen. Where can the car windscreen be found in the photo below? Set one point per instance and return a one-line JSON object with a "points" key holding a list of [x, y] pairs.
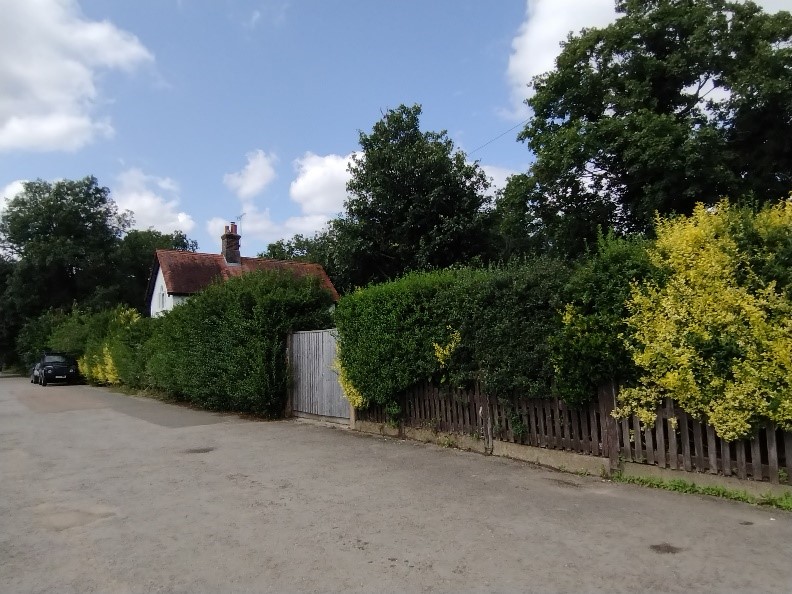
{"points": [[56, 359]]}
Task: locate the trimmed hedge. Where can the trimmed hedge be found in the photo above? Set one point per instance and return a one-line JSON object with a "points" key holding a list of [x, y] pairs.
{"points": [[386, 334], [589, 350], [455, 326], [225, 348]]}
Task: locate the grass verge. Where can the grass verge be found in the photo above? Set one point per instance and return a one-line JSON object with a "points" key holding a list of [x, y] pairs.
{"points": [[681, 486]]}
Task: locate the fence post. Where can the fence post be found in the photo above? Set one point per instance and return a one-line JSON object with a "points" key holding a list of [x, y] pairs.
{"points": [[352, 416], [488, 425], [610, 428], [288, 410], [403, 414], [485, 411]]}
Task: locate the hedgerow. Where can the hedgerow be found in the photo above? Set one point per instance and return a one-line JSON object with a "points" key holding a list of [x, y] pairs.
{"points": [[506, 317], [386, 334], [225, 348], [589, 350], [716, 335], [454, 327]]}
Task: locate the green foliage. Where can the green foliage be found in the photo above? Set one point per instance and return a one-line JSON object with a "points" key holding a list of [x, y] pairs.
{"points": [[451, 326], [506, 317], [224, 349], [34, 336], [132, 261], [516, 230], [9, 323], [415, 203], [71, 247], [113, 347], [589, 349], [386, 334], [63, 235], [716, 335], [299, 247], [674, 103], [127, 348], [783, 501], [75, 332]]}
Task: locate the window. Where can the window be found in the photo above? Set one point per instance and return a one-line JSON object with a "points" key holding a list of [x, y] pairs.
{"points": [[162, 298]]}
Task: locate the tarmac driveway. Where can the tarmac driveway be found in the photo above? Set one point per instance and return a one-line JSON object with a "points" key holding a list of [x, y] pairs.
{"points": [[101, 492]]}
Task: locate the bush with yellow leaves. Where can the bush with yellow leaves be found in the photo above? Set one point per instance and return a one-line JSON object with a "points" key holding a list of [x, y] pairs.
{"points": [[716, 334]]}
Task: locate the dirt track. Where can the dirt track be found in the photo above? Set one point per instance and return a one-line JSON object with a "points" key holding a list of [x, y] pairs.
{"points": [[101, 492]]}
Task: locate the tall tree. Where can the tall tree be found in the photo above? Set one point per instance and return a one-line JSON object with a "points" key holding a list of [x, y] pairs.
{"points": [[133, 259], [8, 323], [299, 247], [63, 236], [415, 203], [678, 101]]}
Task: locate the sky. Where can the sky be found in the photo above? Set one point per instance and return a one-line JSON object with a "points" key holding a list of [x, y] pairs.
{"points": [[195, 113]]}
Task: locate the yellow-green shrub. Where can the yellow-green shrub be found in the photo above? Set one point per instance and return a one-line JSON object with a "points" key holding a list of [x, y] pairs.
{"points": [[351, 393], [717, 334], [104, 360]]}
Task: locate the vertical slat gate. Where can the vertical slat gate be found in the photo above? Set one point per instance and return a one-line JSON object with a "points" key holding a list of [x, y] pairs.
{"points": [[315, 389]]}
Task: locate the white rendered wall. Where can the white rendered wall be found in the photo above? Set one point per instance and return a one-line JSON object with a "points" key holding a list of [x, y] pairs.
{"points": [[159, 303]]}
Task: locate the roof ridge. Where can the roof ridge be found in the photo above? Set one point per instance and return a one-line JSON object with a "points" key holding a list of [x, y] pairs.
{"points": [[186, 272]]}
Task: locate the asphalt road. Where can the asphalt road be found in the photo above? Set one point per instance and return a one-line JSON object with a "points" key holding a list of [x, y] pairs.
{"points": [[101, 492]]}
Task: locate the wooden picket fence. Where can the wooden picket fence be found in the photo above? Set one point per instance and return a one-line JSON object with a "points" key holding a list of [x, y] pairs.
{"points": [[676, 440]]}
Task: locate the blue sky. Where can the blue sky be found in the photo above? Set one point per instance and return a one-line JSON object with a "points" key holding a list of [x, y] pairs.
{"points": [[195, 111]]}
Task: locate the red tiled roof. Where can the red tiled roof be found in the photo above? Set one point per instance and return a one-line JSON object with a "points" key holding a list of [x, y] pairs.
{"points": [[186, 273]]}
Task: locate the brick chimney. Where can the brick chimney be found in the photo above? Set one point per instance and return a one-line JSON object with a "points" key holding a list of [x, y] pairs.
{"points": [[230, 245]]}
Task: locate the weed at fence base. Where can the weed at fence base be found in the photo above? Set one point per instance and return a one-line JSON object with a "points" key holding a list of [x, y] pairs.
{"points": [[783, 501]]}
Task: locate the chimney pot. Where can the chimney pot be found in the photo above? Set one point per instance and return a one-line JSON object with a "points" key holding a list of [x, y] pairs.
{"points": [[230, 244]]}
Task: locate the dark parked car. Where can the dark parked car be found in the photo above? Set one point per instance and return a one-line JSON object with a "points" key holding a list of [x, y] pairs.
{"points": [[55, 367]]}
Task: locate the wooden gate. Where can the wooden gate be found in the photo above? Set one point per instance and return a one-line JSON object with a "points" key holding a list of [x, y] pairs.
{"points": [[316, 392]]}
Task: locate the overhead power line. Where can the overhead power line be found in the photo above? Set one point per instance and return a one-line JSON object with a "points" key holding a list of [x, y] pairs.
{"points": [[478, 148]]}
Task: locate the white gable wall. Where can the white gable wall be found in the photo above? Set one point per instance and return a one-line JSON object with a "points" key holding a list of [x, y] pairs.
{"points": [[161, 301]]}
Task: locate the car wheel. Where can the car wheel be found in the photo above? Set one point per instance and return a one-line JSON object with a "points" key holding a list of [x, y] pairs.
{"points": [[44, 381]]}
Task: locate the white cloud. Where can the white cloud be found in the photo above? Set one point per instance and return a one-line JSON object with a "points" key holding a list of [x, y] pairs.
{"points": [[499, 176], [50, 56], [537, 44], [319, 189], [12, 189], [254, 177], [547, 23], [320, 186], [143, 195], [9, 191], [775, 5]]}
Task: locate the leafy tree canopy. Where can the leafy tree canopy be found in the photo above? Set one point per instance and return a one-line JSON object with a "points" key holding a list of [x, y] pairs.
{"points": [[66, 243], [678, 101], [299, 247], [133, 260], [415, 203], [63, 235]]}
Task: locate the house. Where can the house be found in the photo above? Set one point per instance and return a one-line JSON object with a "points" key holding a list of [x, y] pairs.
{"points": [[176, 274]]}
